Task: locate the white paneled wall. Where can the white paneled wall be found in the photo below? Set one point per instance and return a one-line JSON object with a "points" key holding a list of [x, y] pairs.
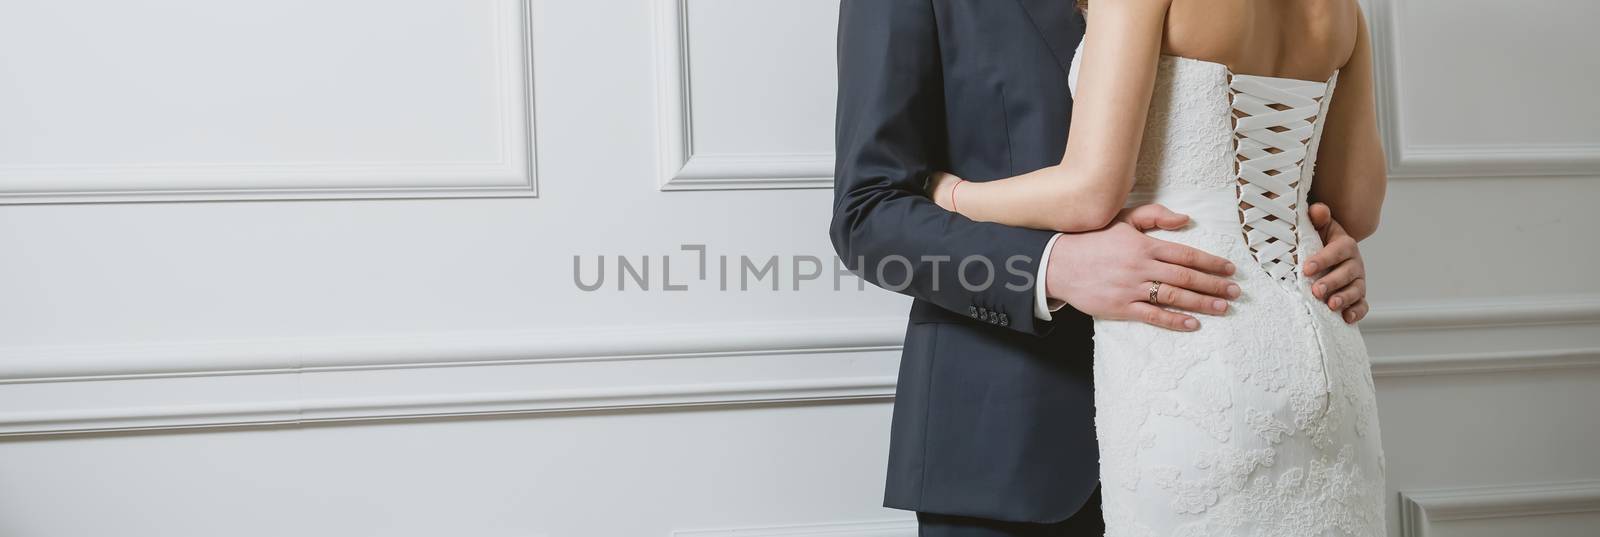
{"points": [[727, 116], [112, 101], [270, 344]]}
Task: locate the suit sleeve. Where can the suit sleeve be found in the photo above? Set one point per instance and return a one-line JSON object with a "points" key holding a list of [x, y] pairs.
{"points": [[889, 138]]}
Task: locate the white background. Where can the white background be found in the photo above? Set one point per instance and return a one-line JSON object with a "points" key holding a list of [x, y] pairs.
{"points": [[305, 268]]}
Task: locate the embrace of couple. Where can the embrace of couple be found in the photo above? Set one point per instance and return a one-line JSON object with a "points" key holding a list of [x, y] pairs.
{"points": [[1186, 362]]}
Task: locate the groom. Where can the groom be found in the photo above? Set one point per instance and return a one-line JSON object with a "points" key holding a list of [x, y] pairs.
{"points": [[993, 431]]}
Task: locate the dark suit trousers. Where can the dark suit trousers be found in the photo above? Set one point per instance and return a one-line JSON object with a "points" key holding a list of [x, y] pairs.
{"points": [[1086, 522]]}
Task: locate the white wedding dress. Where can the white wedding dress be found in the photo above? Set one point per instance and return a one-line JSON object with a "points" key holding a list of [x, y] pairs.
{"points": [[1263, 422]]}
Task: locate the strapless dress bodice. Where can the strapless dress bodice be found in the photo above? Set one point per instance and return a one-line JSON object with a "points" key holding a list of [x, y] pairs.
{"points": [[1234, 152]]}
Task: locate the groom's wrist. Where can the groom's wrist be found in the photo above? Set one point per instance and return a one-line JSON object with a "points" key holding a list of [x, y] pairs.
{"points": [[1043, 303]]}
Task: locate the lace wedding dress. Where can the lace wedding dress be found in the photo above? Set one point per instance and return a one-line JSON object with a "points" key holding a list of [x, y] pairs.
{"points": [[1263, 422]]}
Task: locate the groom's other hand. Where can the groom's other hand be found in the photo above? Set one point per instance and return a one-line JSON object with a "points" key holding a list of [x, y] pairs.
{"points": [[1107, 273], [1340, 272]]}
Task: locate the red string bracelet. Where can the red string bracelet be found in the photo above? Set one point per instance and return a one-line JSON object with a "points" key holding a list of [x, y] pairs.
{"points": [[953, 188]]}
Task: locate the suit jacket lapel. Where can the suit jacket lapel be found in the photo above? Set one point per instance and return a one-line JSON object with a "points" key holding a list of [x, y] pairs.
{"points": [[1060, 24]]}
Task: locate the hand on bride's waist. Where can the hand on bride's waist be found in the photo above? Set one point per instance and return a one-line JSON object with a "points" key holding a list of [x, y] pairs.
{"points": [[1119, 272]]}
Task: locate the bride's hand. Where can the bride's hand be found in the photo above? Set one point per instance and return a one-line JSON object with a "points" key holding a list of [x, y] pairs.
{"points": [[940, 188]]}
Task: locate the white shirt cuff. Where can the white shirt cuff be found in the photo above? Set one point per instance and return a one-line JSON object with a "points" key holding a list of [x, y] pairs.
{"points": [[1042, 304]]}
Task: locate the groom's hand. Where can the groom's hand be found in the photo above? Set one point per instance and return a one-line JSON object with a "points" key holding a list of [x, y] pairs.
{"points": [[1107, 273], [1341, 274]]}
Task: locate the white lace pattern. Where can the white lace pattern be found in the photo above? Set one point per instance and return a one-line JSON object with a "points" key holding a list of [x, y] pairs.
{"points": [[1262, 423]]}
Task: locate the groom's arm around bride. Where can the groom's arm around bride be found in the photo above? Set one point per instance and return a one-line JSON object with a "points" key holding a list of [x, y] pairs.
{"points": [[993, 414]]}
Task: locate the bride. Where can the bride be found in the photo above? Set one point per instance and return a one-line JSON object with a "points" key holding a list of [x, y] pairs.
{"points": [[1259, 420]]}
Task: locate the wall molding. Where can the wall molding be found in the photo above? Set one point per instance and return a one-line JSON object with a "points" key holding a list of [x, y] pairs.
{"points": [[1454, 161], [681, 167], [1440, 161], [514, 175], [302, 411], [21, 364], [1411, 365], [1483, 312], [753, 172], [63, 389], [1513, 318], [885, 528], [1418, 508]]}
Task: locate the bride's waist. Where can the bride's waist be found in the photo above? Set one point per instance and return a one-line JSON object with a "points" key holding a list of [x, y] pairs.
{"points": [[1217, 225], [1208, 208]]}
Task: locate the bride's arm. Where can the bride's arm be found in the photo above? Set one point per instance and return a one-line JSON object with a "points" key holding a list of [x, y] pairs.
{"points": [[1351, 173], [1086, 191]]}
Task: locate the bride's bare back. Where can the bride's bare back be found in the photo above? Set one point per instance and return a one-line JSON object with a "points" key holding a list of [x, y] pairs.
{"points": [[1304, 39]]}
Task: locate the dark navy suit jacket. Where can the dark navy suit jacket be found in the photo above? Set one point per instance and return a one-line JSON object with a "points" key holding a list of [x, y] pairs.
{"points": [[994, 409]]}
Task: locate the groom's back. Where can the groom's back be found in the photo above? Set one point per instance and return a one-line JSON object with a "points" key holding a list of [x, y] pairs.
{"points": [[1304, 39]]}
